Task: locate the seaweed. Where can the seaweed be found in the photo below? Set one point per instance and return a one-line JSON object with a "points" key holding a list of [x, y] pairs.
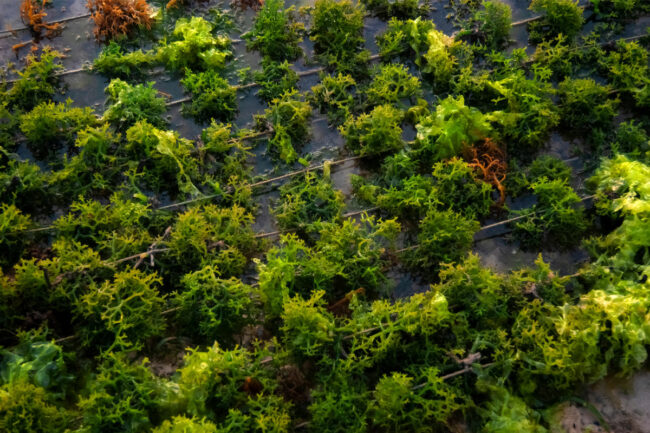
{"points": [[209, 235], [33, 14], [451, 129], [627, 69], [555, 219], [432, 50], [444, 237], [38, 81], [138, 242], [337, 33], [493, 24], [194, 47], [400, 9], [182, 424], [374, 133], [50, 126], [333, 95], [306, 200], [529, 113], [38, 362], [115, 63], [403, 401], [116, 18], [276, 34], [212, 96], [121, 314], [124, 396], [129, 104], [346, 256], [275, 79], [12, 222], [25, 408], [392, 84], [618, 9], [549, 167], [287, 116], [585, 106], [307, 327], [632, 139], [490, 162], [560, 17], [210, 307]]}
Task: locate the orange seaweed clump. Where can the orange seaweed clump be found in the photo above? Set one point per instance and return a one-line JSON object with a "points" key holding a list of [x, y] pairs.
{"points": [[16, 48], [33, 15], [118, 17], [490, 162]]}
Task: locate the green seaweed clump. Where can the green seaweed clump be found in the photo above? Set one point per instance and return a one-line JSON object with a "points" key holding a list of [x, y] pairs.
{"points": [[50, 126], [622, 191], [337, 33], [452, 128], [12, 222], [25, 408], [555, 220], [401, 401], [444, 237], [306, 200], [276, 34], [375, 133], [560, 17], [346, 257], [627, 70], [123, 396], [129, 104], [333, 95], [632, 139], [182, 424], [167, 158], [494, 24], [209, 235], [529, 113], [212, 308], [586, 106], [194, 47], [401, 9], [123, 313], [115, 63], [288, 117], [432, 50], [38, 82], [38, 362], [212, 96], [275, 79], [391, 84]]}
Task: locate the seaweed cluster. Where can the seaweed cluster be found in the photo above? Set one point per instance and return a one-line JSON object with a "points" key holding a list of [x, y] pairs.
{"points": [[118, 17]]}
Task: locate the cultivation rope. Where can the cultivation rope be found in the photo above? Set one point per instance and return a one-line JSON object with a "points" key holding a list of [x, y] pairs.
{"points": [[152, 251], [500, 223], [252, 85], [531, 19], [263, 182], [307, 72], [274, 179], [211, 196]]}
